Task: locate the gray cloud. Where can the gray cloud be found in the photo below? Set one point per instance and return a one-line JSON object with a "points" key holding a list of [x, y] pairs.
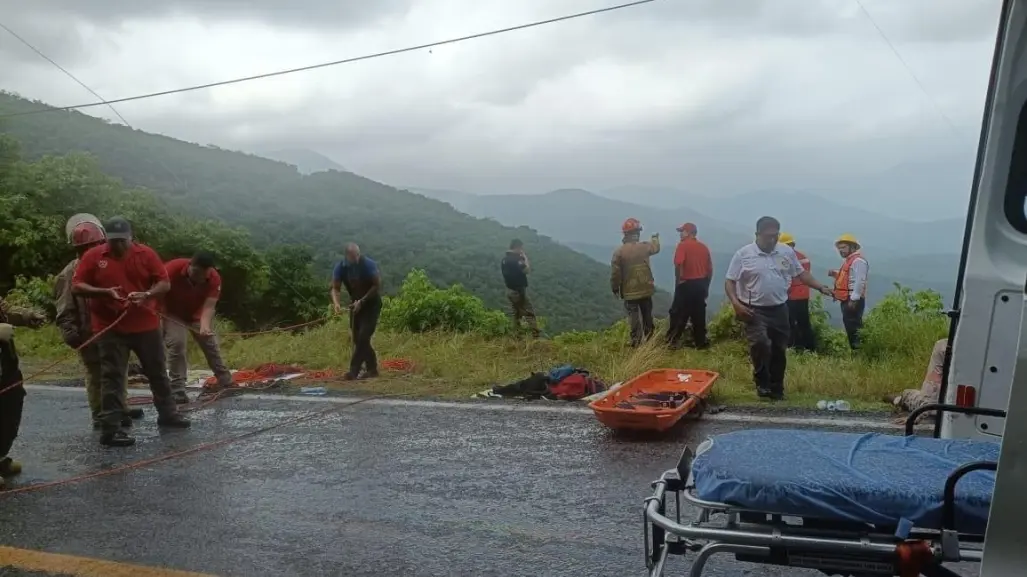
{"points": [[710, 95], [311, 13]]}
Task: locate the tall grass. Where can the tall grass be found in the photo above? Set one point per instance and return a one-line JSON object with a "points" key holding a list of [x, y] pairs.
{"points": [[897, 341]]}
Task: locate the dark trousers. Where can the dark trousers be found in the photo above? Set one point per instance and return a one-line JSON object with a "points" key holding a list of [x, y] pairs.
{"points": [[12, 401], [114, 351], [767, 333], [11, 404], [852, 318], [363, 323], [640, 319], [802, 336], [689, 306]]}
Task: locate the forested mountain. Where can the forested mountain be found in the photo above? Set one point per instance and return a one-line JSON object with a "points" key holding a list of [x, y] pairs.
{"points": [[278, 205], [306, 161], [590, 223]]}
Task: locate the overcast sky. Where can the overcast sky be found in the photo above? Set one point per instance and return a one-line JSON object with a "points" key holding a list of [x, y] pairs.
{"points": [[712, 96]]}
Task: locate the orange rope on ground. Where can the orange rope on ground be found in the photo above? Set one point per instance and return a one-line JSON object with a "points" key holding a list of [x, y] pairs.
{"points": [[249, 334], [203, 447], [398, 364]]}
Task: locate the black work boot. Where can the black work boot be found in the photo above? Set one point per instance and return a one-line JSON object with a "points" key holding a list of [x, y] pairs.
{"points": [[173, 421], [370, 374], [135, 414], [116, 438], [181, 399]]}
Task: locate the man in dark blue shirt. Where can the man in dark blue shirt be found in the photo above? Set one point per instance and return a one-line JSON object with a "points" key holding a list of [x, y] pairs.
{"points": [[515, 270], [363, 282]]}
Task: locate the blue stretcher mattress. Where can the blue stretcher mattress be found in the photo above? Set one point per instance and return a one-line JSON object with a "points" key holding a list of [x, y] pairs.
{"points": [[884, 480]]}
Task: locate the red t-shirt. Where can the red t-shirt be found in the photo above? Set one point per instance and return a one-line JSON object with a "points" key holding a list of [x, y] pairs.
{"points": [[185, 300], [692, 260], [136, 271]]}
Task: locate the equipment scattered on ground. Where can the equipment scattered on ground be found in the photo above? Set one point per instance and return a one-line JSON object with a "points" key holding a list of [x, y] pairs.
{"points": [[564, 383], [843, 503], [655, 400]]}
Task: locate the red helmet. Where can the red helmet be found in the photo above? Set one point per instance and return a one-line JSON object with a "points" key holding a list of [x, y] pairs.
{"points": [[87, 233], [631, 224]]}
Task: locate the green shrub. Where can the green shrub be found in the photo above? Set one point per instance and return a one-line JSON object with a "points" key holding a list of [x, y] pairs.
{"points": [[904, 324], [420, 307], [35, 293]]}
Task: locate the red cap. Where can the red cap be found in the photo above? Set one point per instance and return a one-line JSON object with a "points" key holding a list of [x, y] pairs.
{"points": [[688, 227]]}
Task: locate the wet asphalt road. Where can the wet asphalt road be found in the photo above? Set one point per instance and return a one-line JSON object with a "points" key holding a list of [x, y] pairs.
{"points": [[368, 490]]}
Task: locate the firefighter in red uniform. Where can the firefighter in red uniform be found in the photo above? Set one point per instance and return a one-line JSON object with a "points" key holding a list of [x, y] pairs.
{"points": [[123, 279]]}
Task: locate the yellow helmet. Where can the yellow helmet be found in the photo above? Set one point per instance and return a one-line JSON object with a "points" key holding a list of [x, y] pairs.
{"points": [[786, 238], [847, 238]]}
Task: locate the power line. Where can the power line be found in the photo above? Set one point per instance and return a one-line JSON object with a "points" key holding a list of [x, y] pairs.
{"points": [[84, 85], [336, 62], [172, 173], [62, 69], [909, 69]]}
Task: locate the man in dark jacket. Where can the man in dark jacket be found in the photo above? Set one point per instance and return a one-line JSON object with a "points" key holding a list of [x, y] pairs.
{"points": [[12, 390], [363, 281], [515, 269]]}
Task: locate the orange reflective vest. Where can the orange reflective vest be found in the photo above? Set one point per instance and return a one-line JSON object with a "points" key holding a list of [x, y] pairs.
{"points": [[841, 280], [799, 291]]}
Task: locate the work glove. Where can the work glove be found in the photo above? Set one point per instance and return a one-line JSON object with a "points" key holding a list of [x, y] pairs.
{"points": [[6, 332]]}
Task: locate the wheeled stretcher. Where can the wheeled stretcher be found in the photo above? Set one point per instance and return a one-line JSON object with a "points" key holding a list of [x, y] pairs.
{"points": [[846, 504]]}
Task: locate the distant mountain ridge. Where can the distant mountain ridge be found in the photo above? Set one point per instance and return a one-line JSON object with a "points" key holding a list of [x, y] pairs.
{"points": [[305, 160], [590, 223]]}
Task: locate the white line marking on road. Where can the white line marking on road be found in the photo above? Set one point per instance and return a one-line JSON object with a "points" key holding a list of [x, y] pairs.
{"points": [[536, 407]]}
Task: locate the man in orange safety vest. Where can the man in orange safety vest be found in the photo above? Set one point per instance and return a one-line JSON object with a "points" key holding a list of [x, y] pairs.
{"points": [[850, 286], [802, 336]]}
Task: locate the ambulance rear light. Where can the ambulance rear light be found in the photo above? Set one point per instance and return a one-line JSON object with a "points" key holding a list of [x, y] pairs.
{"points": [[966, 396]]}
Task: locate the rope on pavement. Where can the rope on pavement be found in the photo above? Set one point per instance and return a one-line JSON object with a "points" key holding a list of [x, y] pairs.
{"points": [[184, 453]]}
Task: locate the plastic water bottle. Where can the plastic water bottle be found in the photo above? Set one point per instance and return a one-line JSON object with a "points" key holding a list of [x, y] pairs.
{"points": [[842, 406], [313, 391]]}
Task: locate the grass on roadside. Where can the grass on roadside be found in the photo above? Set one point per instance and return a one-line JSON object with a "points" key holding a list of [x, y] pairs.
{"points": [[458, 365]]}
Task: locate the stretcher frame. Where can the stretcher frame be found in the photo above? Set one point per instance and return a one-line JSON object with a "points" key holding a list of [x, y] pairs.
{"points": [[835, 548]]}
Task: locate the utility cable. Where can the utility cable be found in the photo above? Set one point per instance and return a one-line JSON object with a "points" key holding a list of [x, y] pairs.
{"points": [[909, 70], [174, 176], [90, 90], [335, 62]]}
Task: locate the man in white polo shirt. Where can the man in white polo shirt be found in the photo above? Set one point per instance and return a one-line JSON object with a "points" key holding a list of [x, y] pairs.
{"points": [[757, 285]]}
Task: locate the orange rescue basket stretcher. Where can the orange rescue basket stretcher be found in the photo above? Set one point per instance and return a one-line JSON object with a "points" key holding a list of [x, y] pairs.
{"points": [[655, 400]]}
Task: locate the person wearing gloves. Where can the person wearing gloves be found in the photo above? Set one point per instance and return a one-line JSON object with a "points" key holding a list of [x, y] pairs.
{"points": [[12, 390], [84, 232]]}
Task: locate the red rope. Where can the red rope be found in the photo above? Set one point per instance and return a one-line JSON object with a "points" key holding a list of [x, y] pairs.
{"points": [[90, 341]]}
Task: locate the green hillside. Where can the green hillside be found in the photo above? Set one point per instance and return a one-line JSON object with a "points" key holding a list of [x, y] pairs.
{"points": [[277, 205]]}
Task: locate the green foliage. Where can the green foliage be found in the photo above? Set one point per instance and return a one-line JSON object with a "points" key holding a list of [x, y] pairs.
{"points": [[34, 293], [293, 294], [830, 340], [421, 307], [400, 230], [37, 198], [904, 323]]}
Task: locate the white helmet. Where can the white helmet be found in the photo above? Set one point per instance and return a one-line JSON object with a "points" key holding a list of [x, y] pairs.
{"points": [[77, 220]]}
